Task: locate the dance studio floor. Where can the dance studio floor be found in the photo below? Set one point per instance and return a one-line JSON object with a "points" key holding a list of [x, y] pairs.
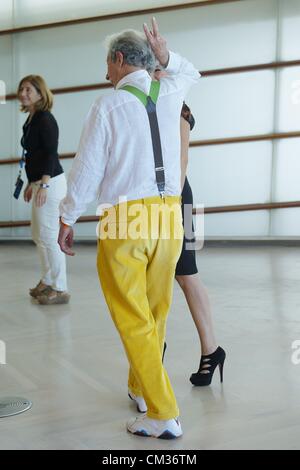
{"points": [[69, 361]]}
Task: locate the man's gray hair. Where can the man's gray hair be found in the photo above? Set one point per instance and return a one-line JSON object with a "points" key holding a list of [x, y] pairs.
{"points": [[134, 47]]}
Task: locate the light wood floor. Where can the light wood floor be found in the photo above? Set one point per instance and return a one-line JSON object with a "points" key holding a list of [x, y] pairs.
{"points": [[69, 360]]}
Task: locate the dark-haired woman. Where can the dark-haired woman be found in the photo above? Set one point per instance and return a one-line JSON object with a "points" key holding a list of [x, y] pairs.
{"points": [[187, 273], [186, 270]]}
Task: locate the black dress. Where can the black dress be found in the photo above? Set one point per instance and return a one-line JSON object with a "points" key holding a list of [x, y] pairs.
{"points": [[186, 264]]}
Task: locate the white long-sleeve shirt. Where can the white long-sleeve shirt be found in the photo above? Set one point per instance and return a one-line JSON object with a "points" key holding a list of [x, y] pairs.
{"points": [[115, 155]]}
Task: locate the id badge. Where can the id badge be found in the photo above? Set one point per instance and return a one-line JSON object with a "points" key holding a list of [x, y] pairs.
{"points": [[19, 185]]}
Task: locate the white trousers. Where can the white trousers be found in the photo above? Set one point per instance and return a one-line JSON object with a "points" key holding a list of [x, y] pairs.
{"points": [[45, 228]]}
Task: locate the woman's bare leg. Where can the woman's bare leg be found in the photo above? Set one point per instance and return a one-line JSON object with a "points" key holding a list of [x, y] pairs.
{"points": [[198, 302]]}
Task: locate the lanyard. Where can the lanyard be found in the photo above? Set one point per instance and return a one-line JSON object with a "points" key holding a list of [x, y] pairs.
{"points": [[23, 157], [22, 160]]}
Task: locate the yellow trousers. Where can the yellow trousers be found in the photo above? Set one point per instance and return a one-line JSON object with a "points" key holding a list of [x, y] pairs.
{"points": [[137, 276]]}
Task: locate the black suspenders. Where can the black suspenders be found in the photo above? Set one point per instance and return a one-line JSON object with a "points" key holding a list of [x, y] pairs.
{"points": [[150, 104]]}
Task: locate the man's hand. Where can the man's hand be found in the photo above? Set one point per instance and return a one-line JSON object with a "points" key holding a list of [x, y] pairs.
{"points": [[158, 43], [28, 193], [65, 239]]}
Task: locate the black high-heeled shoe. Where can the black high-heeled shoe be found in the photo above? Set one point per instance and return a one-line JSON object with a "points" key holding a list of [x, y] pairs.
{"points": [[209, 363], [163, 354]]}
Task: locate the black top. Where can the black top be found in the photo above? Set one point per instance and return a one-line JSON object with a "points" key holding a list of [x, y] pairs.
{"points": [[40, 142]]}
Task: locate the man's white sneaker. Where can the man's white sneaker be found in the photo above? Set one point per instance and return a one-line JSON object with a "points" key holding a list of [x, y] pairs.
{"points": [[147, 427], [140, 402]]}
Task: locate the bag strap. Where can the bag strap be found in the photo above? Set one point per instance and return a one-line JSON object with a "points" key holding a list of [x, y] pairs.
{"points": [[150, 104]]}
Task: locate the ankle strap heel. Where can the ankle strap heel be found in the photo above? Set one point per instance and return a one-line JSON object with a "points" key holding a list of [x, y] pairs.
{"points": [[207, 368]]}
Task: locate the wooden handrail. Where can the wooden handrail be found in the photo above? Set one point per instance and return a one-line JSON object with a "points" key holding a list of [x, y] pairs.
{"points": [[207, 210], [252, 68], [9, 161], [248, 207], [247, 138], [198, 143], [113, 16], [70, 89], [204, 73]]}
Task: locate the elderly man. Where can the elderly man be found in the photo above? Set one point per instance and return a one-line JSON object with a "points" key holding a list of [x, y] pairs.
{"points": [[118, 157]]}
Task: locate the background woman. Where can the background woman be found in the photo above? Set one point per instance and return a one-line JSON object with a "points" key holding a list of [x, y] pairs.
{"points": [[46, 187]]}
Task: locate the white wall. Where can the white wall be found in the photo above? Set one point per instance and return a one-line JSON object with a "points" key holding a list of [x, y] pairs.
{"points": [[17, 13], [225, 35]]}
